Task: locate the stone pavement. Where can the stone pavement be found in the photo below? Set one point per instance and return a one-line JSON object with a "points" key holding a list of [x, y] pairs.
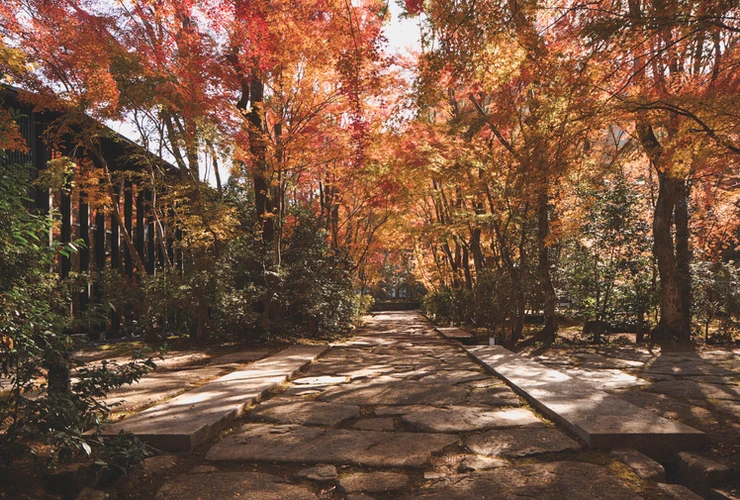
{"points": [[186, 421], [700, 388], [602, 420], [400, 412]]}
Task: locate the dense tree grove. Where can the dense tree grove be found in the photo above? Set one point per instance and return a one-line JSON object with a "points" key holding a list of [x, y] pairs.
{"points": [[581, 152], [562, 160]]}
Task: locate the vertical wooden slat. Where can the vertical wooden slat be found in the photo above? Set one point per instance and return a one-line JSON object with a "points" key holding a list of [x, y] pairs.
{"points": [[100, 254], [115, 244], [115, 263], [140, 228], [84, 221], [66, 233], [128, 211], [100, 250], [151, 254]]}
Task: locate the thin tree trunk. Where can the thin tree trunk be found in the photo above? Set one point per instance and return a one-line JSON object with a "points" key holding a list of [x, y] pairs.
{"points": [[258, 149], [550, 327]]}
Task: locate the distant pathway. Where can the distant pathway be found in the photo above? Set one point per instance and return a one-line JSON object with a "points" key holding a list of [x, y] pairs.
{"points": [[400, 412]]}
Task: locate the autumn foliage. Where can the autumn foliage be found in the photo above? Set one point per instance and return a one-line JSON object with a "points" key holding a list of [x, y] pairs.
{"points": [[537, 158]]}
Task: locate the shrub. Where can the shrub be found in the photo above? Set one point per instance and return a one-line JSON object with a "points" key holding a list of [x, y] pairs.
{"points": [[716, 294], [39, 405]]}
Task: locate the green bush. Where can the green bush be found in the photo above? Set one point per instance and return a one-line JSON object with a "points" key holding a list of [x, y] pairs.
{"points": [[39, 405], [315, 293], [716, 294], [448, 304], [606, 272]]}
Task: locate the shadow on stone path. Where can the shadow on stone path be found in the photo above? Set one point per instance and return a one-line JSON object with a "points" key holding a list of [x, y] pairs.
{"points": [[400, 412], [699, 387]]}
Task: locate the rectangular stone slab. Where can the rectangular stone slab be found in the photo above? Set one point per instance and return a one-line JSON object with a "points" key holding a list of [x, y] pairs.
{"points": [[283, 444], [601, 420], [454, 333], [184, 422]]}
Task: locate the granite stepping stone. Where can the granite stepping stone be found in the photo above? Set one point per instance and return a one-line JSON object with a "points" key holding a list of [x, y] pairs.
{"points": [[313, 445], [604, 379], [188, 420], [220, 485], [454, 333], [521, 442], [644, 467], [678, 492], [239, 357], [598, 418], [541, 481], [320, 380], [305, 412], [469, 418]]}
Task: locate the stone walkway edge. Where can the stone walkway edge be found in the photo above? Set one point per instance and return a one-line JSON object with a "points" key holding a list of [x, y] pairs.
{"points": [[186, 421], [454, 333], [601, 420]]}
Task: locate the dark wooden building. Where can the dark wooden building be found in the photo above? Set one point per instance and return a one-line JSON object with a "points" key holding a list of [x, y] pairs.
{"points": [[102, 244]]}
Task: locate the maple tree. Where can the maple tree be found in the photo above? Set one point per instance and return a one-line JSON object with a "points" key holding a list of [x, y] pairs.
{"points": [[522, 95], [552, 84], [522, 109], [671, 66]]}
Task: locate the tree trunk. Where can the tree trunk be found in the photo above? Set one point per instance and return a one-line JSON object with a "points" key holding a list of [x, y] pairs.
{"points": [[683, 256], [258, 149], [673, 259], [466, 268], [550, 327], [475, 248]]}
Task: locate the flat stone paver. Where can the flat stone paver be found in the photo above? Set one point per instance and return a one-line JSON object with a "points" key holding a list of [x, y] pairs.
{"points": [[678, 492], [375, 424], [545, 481], [521, 442], [185, 421], [687, 389], [320, 473], [469, 418], [478, 462], [297, 444], [600, 419], [374, 482], [305, 412], [397, 392], [398, 411], [644, 467], [320, 381], [223, 485]]}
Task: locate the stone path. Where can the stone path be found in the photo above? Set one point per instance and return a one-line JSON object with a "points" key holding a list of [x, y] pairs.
{"points": [[600, 419], [400, 412], [184, 422], [454, 333], [174, 375], [699, 388]]}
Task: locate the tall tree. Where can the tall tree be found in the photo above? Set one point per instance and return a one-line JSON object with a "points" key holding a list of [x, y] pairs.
{"points": [[672, 66]]}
